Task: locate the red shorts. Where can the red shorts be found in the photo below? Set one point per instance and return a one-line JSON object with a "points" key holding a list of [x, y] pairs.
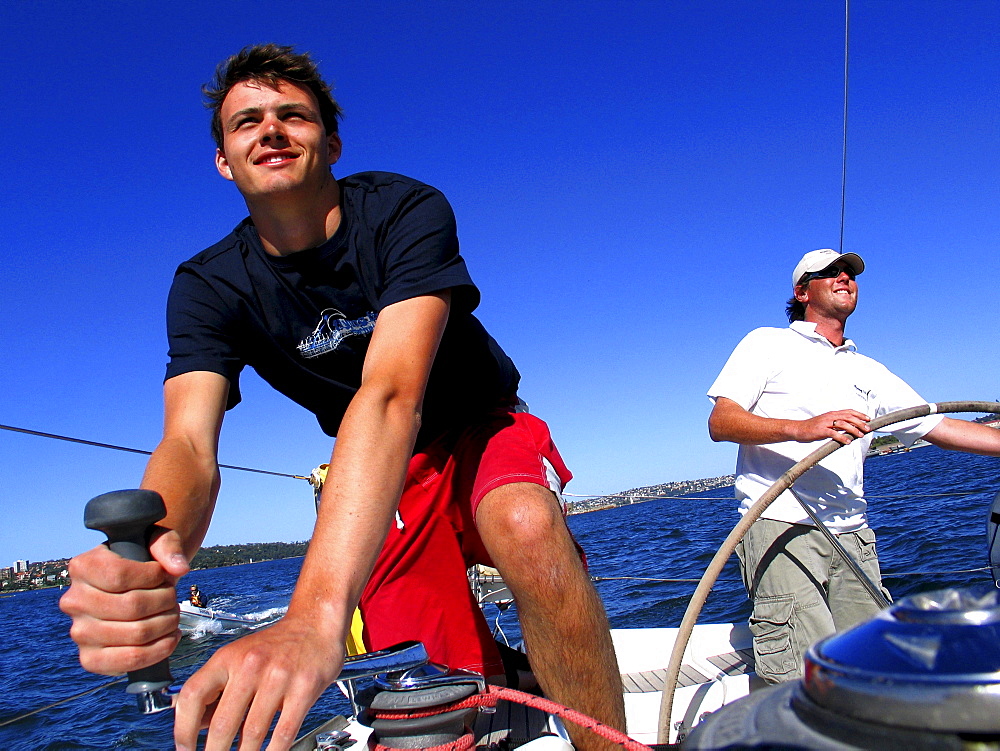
{"points": [[419, 588]]}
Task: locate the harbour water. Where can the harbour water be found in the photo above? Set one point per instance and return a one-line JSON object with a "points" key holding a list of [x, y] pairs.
{"points": [[928, 506]]}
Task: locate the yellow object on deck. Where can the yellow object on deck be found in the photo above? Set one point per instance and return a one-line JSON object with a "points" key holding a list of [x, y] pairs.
{"points": [[355, 641]]}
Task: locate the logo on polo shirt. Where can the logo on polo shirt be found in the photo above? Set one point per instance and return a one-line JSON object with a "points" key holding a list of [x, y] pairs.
{"points": [[332, 329]]}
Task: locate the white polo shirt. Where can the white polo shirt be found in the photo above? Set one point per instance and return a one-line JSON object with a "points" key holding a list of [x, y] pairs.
{"points": [[797, 374]]}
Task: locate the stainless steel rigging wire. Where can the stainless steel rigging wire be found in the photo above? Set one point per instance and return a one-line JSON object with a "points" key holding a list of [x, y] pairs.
{"points": [[843, 172], [188, 660], [137, 451]]}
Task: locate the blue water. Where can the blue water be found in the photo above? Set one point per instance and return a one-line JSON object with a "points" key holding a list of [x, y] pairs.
{"points": [[647, 543]]}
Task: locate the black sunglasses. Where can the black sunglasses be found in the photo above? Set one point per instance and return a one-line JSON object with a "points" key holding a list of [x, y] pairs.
{"points": [[830, 272]]}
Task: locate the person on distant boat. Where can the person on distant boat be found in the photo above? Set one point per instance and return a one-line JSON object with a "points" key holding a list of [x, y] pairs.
{"points": [[782, 393], [196, 598], [350, 297]]}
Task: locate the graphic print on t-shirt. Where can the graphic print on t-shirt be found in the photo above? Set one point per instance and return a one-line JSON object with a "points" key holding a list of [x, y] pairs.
{"points": [[332, 329]]}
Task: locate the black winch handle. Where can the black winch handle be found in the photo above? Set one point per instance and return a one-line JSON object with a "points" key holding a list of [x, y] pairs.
{"points": [[126, 517]]}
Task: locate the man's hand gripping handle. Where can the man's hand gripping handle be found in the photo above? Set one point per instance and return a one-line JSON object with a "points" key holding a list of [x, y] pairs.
{"points": [[126, 516]]}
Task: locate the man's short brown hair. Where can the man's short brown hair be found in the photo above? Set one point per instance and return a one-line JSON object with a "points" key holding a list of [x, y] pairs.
{"points": [[269, 65]]}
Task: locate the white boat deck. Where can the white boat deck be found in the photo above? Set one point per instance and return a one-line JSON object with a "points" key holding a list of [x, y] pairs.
{"points": [[717, 669]]}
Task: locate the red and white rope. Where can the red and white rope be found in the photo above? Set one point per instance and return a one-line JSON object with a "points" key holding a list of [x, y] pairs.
{"points": [[494, 694]]}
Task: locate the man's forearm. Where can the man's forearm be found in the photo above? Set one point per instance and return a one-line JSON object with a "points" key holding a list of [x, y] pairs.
{"points": [[357, 507], [752, 430], [370, 459], [731, 422], [959, 435], [189, 482]]}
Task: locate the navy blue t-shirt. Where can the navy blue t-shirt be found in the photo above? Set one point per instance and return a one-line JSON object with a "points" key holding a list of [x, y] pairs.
{"points": [[304, 321]]}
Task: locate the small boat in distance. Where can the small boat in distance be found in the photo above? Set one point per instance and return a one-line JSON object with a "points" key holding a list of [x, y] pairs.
{"points": [[208, 619]]}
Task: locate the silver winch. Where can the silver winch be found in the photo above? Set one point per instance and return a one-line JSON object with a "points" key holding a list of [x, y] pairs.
{"points": [[421, 690], [923, 674]]}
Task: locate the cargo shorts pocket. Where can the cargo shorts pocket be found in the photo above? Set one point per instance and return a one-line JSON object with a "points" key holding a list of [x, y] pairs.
{"points": [[868, 558], [866, 544], [773, 647]]}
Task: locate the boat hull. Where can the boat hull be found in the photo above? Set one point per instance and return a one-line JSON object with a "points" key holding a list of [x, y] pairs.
{"points": [[195, 618]]}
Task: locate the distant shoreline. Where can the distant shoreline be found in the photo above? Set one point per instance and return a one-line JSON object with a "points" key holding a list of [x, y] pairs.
{"points": [[221, 556], [215, 556], [676, 489]]}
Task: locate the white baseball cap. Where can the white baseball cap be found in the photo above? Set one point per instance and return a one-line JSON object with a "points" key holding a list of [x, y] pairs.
{"points": [[817, 260]]}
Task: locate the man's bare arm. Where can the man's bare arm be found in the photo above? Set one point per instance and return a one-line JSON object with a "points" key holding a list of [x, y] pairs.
{"points": [[372, 453], [124, 612], [960, 435], [184, 468], [286, 667], [731, 422]]}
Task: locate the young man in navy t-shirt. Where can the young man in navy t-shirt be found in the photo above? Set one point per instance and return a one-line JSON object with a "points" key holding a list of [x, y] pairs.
{"points": [[349, 297]]}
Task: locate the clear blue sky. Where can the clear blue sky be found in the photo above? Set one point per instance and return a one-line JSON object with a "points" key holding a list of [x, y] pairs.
{"points": [[633, 181]]}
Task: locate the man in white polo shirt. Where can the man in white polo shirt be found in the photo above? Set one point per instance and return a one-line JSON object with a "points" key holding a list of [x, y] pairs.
{"points": [[781, 394]]}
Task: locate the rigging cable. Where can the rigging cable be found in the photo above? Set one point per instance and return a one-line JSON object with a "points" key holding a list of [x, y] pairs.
{"points": [[885, 575], [138, 451], [191, 659], [609, 496], [843, 172], [692, 497], [25, 715]]}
